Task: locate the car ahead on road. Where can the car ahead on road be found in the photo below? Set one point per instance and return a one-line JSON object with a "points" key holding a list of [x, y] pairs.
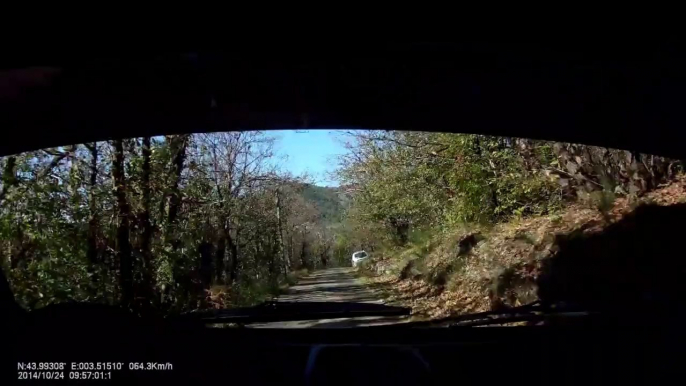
{"points": [[359, 257]]}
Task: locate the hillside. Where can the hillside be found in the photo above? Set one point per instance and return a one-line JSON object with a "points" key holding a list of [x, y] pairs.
{"points": [[329, 201], [460, 223], [524, 260]]}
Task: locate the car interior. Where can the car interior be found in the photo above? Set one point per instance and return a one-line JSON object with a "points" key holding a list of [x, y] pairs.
{"points": [[626, 96]]}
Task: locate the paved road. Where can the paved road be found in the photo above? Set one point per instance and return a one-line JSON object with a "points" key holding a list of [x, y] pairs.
{"points": [[331, 285]]}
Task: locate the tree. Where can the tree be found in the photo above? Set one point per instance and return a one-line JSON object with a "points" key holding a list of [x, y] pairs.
{"points": [[282, 248], [177, 217], [9, 177], [92, 252], [147, 284], [124, 257]]}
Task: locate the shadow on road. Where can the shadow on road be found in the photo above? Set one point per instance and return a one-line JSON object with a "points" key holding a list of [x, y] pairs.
{"points": [[332, 285]]}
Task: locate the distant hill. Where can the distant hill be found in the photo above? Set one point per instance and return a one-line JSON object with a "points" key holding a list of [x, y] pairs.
{"points": [[331, 202]]}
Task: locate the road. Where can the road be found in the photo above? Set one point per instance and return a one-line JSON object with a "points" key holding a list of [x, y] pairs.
{"points": [[331, 285]]}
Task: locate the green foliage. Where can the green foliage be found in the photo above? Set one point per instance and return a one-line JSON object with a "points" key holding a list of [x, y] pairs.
{"points": [[327, 201], [201, 212], [604, 201], [433, 180], [422, 239], [405, 182]]}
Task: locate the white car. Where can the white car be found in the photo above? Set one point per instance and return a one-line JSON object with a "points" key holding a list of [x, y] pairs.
{"points": [[359, 257]]}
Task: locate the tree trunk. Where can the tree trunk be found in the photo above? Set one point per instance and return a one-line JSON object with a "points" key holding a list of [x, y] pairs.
{"points": [[9, 177], [324, 256], [273, 267], [205, 251], [401, 228], [124, 211], [180, 144], [291, 247], [494, 198], [220, 254], [91, 238], [146, 238], [303, 252], [148, 285], [233, 249], [225, 240], [282, 250]]}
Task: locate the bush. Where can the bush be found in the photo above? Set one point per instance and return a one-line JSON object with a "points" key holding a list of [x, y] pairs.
{"points": [[294, 276], [366, 268], [413, 267], [513, 286]]}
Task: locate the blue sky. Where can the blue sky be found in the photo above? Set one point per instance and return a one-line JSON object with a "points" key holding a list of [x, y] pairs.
{"points": [[310, 151]]}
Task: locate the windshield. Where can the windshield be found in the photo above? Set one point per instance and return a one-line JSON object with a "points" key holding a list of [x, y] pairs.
{"points": [[454, 223]]}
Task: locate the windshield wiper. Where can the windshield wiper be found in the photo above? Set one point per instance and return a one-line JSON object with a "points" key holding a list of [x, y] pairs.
{"points": [[533, 312], [292, 311]]}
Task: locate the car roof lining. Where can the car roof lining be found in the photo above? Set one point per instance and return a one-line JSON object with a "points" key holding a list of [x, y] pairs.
{"points": [[634, 102]]}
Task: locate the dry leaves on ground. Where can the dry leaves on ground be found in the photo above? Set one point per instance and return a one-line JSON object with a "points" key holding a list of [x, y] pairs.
{"points": [[514, 248]]}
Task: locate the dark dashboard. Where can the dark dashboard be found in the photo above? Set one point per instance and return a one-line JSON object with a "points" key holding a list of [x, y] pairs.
{"points": [[391, 355]]}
